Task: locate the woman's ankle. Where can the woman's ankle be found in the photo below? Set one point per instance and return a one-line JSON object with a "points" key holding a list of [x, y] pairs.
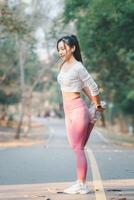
{"points": [[81, 181]]}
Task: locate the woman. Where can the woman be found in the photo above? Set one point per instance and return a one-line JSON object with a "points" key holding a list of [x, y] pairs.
{"points": [[74, 78]]}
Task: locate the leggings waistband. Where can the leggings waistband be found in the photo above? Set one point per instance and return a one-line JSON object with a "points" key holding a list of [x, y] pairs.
{"points": [[73, 103]]}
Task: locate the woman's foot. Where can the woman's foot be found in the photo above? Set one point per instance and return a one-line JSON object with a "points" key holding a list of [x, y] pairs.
{"points": [[77, 188]]}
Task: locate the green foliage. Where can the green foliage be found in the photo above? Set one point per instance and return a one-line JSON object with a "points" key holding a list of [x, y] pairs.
{"points": [[15, 27], [9, 98], [11, 23], [73, 8], [39, 87], [31, 67], [105, 30], [9, 73]]}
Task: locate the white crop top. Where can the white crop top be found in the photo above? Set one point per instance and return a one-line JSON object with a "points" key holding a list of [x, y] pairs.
{"points": [[76, 78]]}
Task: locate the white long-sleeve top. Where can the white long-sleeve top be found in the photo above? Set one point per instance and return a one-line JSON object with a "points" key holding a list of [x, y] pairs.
{"points": [[76, 78]]}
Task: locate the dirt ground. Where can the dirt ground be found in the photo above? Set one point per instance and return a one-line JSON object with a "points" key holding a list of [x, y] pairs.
{"points": [[36, 135]]}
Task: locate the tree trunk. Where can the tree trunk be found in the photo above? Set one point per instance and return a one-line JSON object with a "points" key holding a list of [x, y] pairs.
{"points": [[22, 84], [17, 135], [27, 124]]}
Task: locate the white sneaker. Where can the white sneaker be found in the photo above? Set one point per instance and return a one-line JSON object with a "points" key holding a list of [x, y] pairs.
{"points": [[77, 188]]}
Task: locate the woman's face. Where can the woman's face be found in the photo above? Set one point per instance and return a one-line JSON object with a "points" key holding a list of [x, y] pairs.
{"points": [[65, 51]]}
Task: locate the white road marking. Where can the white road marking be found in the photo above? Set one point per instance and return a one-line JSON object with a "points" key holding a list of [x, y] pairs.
{"points": [[102, 137], [97, 182], [50, 137]]}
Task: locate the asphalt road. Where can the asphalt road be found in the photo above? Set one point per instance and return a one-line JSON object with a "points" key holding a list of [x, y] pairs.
{"points": [[54, 161]]}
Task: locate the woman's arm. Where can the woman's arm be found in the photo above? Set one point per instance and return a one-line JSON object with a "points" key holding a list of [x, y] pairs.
{"points": [[87, 92], [94, 99], [89, 87]]}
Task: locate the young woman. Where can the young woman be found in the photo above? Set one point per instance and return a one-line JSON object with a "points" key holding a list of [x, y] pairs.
{"points": [[73, 79]]}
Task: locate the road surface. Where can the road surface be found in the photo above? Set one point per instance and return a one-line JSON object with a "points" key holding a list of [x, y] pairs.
{"points": [[110, 167]]}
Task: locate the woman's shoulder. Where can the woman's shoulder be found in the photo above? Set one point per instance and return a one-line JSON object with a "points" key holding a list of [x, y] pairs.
{"points": [[79, 66]]}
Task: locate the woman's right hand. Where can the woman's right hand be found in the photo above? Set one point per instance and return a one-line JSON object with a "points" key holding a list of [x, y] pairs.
{"points": [[100, 108]]}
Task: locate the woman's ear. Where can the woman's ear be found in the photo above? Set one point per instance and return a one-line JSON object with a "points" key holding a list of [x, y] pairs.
{"points": [[73, 49]]}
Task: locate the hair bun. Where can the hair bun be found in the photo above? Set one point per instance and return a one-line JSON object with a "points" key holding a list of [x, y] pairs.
{"points": [[73, 36]]}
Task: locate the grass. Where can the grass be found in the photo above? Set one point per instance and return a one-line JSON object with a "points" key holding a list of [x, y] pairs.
{"points": [[116, 136]]}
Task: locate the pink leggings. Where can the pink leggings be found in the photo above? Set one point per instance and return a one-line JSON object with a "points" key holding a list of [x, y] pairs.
{"points": [[78, 127]]}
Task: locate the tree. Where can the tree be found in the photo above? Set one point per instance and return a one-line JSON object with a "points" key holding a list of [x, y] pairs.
{"points": [[20, 25], [105, 30]]}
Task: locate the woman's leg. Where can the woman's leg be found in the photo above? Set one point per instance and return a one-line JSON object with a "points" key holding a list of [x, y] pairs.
{"points": [[90, 127], [77, 124]]}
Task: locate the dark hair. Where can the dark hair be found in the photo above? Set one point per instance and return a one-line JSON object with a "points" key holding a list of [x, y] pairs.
{"points": [[71, 41]]}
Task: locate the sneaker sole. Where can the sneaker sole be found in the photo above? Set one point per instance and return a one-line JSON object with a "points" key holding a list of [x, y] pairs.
{"points": [[80, 192]]}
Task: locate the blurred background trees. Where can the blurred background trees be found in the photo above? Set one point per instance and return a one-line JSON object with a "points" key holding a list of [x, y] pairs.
{"points": [[27, 43], [106, 29]]}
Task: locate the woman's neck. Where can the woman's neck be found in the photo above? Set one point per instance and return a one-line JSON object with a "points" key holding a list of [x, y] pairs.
{"points": [[71, 60], [68, 63]]}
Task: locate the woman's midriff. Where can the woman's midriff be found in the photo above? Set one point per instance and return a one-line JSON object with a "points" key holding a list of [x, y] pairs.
{"points": [[70, 95]]}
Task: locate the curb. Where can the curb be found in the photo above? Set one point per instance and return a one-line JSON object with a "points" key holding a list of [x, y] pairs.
{"points": [[114, 138]]}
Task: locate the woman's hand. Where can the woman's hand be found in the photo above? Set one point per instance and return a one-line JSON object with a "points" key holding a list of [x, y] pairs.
{"points": [[99, 108]]}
